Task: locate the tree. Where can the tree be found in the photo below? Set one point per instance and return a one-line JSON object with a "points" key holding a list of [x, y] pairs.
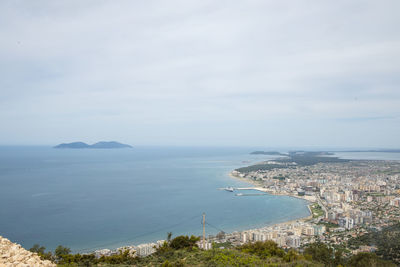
{"points": [[60, 251], [37, 249], [263, 249], [320, 252], [339, 260], [365, 259], [40, 250], [291, 256], [180, 242], [169, 236], [166, 263]]}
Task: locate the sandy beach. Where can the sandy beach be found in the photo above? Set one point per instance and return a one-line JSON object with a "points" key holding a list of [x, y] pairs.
{"points": [[258, 187]]}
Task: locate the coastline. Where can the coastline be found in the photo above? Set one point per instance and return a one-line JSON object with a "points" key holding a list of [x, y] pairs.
{"points": [[257, 187]]}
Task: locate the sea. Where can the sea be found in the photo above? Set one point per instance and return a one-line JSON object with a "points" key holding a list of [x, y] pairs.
{"points": [[89, 199]]}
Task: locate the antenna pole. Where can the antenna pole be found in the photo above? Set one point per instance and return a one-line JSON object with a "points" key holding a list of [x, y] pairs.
{"points": [[204, 230]]}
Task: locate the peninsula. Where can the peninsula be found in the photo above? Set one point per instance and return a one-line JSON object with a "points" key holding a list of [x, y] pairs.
{"points": [[272, 153], [98, 145], [355, 204]]}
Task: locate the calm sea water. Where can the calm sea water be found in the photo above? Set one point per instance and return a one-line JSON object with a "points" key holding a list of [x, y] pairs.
{"points": [[91, 199]]}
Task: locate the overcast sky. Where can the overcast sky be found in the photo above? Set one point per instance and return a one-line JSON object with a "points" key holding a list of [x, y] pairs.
{"points": [[229, 73]]}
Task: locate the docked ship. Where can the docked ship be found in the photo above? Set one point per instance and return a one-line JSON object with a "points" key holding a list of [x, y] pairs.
{"points": [[230, 189]]}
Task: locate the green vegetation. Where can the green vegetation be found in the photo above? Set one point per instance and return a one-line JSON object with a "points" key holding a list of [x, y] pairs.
{"points": [[310, 158], [182, 251], [181, 242], [261, 167], [331, 257], [264, 250], [328, 225], [293, 159], [280, 177], [324, 254], [256, 254], [387, 242], [61, 251], [41, 252], [316, 210], [123, 257], [368, 259]]}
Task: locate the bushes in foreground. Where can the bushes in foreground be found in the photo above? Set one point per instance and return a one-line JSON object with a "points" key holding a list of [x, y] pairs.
{"points": [[182, 251]]}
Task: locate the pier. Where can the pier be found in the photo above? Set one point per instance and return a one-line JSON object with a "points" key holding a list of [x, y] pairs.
{"points": [[245, 188], [263, 191], [249, 188]]}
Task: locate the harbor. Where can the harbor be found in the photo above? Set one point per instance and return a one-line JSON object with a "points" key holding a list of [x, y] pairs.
{"points": [[232, 189]]}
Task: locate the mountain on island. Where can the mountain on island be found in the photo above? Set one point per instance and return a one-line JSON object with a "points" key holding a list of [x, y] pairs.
{"points": [[98, 145], [73, 145], [111, 144]]}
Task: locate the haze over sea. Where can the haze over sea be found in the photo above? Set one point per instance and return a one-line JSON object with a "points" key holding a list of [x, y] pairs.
{"points": [[90, 199]]}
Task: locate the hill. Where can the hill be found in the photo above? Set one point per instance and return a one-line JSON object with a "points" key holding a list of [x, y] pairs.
{"points": [[73, 145], [12, 254], [183, 251], [98, 145], [111, 144]]}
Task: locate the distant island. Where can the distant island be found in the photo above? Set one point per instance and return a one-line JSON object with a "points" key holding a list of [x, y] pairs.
{"points": [[98, 145]]}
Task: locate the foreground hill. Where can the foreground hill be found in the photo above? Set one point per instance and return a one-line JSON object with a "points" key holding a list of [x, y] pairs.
{"points": [[101, 145], [12, 254], [183, 251]]}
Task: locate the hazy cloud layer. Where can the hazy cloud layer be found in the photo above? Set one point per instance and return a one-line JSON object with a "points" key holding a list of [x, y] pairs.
{"points": [[268, 73]]}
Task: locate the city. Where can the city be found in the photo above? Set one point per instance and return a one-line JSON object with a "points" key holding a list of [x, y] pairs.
{"points": [[347, 199]]}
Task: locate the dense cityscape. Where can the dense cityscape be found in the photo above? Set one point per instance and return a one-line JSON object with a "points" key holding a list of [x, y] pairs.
{"points": [[347, 199]]}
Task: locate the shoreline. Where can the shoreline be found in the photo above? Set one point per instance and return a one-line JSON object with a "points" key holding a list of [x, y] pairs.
{"points": [[257, 187]]}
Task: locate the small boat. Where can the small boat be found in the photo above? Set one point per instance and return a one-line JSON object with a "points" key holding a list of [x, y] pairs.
{"points": [[230, 189], [239, 194]]}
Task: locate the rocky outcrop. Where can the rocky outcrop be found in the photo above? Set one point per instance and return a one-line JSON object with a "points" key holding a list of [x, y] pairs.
{"points": [[13, 255]]}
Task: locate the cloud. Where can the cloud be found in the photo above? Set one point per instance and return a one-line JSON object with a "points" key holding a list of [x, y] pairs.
{"points": [[91, 69]]}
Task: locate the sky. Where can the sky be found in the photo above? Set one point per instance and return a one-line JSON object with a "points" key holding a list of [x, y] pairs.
{"points": [[201, 73]]}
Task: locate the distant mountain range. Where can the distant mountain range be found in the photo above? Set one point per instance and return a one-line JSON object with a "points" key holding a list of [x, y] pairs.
{"points": [[98, 145]]}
